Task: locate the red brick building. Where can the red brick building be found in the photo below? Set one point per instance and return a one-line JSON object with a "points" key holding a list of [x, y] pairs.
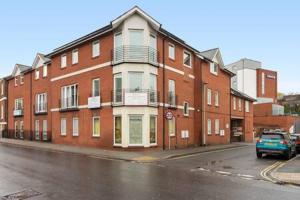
{"points": [[3, 107], [267, 85], [114, 86]]}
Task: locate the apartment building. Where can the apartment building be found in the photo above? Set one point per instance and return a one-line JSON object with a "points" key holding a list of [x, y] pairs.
{"points": [[3, 107], [254, 81], [130, 84]]}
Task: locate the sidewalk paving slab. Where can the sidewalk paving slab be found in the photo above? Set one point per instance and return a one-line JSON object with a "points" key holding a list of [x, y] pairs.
{"points": [[136, 156]]}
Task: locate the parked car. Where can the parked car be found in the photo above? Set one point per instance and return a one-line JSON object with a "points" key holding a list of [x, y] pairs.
{"points": [[296, 137], [275, 142]]}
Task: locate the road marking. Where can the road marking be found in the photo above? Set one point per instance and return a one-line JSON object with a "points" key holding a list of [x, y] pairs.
{"points": [[245, 176], [224, 173], [265, 173]]}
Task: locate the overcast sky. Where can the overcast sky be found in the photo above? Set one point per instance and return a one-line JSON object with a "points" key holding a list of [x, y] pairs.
{"points": [[268, 31]]}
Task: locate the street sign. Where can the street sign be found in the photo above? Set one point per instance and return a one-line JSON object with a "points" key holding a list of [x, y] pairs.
{"points": [[169, 115]]}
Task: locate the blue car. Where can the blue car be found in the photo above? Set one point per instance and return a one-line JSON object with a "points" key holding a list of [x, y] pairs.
{"points": [[275, 142]]}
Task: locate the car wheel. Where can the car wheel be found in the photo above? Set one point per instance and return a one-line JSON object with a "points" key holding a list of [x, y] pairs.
{"points": [[258, 154], [288, 154]]}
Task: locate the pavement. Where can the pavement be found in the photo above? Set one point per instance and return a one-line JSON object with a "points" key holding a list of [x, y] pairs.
{"points": [[136, 156], [288, 172], [33, 174]]}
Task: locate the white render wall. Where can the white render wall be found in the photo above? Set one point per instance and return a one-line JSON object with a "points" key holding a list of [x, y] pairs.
{"points": [[246, 82]]}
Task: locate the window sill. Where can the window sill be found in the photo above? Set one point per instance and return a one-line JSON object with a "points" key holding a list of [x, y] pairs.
{"points": [[63, 135], [95, 57], [187, 66], [95, 137]]}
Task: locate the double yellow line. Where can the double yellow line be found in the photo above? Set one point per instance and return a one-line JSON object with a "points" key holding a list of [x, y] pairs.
{"points": [[266, 173]]}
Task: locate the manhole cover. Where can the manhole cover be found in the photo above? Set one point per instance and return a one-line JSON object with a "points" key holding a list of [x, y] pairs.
{"points": [[22, 195]]}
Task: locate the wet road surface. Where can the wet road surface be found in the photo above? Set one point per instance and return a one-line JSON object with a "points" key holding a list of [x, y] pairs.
{"points": [[67, 176]]}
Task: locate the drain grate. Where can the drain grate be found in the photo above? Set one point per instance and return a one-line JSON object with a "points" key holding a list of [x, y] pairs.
{"points": [[25, 194]]}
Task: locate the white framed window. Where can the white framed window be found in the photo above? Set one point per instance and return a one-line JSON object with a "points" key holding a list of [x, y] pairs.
{"points": [[240, 105], [63, 61], [37, 129], [186, 109], [16, 129], [45, 71], [234, 103], [37, 74], [171, 51], [247, 106], [208, 126], [96, 126], [63, 126], [209, 96], [217, 98], [69, 96], [118, 94], [45, 129], [16, 81], [172, 93], [75, 56], [96, 48], [2, 88], [187, 59], [214, 68], [118, 130], [263, 83], [19, 104], [41, 103], [217, 126], [96, 87], [153, 129], [21, 79], [135, 130], [75, 126], [21, 129], [172, 126]]}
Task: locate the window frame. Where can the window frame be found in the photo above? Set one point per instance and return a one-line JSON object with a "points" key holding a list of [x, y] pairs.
{"points": [[21, 79], [209, 129], [63, 61], [213, 68], [37, 74], [117, 116], [96, 42], [75, 134], [217, 126], [75, 59], [174, 50], [173, 134], [63, 132], [93, 87], [155, 117], [234, 103], [189, 53], [45, 71], [64, 99], [38, 102], [37, 129], [16, 81], [217, 98], [208, 97], [93, 134], [240, 105], [247, 106]]}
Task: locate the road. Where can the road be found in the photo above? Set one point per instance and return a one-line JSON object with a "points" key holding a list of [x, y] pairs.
{"points": [[230, 174]]}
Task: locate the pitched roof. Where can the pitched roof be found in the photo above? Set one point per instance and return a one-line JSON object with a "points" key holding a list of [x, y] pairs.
{"points": [[22, 68], [242, 95], [210, 54], [39, 57]]}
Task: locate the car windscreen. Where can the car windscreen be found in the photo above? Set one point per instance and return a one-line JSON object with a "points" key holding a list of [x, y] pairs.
{"points": [[272, 136]]}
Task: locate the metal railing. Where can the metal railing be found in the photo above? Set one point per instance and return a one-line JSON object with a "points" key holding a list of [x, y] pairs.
{"points": [[69, 103], [139, 97], [135, 54], [40, 108], [19, 111]]}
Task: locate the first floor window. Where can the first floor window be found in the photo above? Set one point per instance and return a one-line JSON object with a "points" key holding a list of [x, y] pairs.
{"points": [[45, 127], [75, 126], [96, 88], [152, 129], [19, 104], [217, 126], [118, 129], [41, 103], [186, 109], [37, 129], [63, 126], [96, 126], [172, 127], [69, 96], [209, 127], [247, 109]]}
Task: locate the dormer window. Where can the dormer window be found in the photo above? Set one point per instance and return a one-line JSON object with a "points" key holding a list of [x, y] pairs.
{"points": [[187, 59], [16, 81], [37, 74], [214, 68], [45, 71], [21, 79]]}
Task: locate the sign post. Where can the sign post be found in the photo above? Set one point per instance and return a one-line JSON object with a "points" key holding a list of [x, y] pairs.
{"points": [[169, 116]]}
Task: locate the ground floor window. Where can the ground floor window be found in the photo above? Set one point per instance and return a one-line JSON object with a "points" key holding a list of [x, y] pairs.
{"points": [[217, 126], [45, 127], [135, 130], [75, 126], [209, 127], [172, 127], [152, 129], [96, 126], [16, 129], [37, 129], [118, 129], [21, 129], [63, 126]]}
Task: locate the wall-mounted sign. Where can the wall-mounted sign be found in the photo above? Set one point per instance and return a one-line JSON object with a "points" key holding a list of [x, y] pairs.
{"points": [[169, 115], [222, 132], [136, 98], [184, 134], [94, 102], [271, 76]]}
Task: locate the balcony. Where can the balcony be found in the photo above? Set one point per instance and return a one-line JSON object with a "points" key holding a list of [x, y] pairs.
{"points": [[94, 102], [69, 104], [40, 109], [172, 100], [18, 112], [135, 54], [127, 97]]}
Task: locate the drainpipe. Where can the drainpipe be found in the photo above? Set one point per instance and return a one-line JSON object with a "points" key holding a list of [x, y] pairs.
{"points": [[203, 87], [164, 103], [30, 107]]}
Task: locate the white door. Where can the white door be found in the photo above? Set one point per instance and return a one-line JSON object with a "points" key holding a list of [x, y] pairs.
{"points": [[135, 130]]}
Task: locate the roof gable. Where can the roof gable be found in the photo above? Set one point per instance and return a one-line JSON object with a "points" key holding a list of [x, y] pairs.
{"points": [[39, 60], [18, 69], [135, 10], [213, 55]]}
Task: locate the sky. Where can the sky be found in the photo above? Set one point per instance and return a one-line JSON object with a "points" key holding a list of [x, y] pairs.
{"points": [[268, 30]]}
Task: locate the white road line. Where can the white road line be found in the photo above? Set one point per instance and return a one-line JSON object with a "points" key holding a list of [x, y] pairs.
{"points": [[224, 173]]}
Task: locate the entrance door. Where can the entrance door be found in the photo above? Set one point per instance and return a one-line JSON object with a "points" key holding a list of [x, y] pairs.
{"points": [[135, 130]]}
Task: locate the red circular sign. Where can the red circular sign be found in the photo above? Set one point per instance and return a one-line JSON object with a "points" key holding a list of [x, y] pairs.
{"points": [[169, 115]]}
